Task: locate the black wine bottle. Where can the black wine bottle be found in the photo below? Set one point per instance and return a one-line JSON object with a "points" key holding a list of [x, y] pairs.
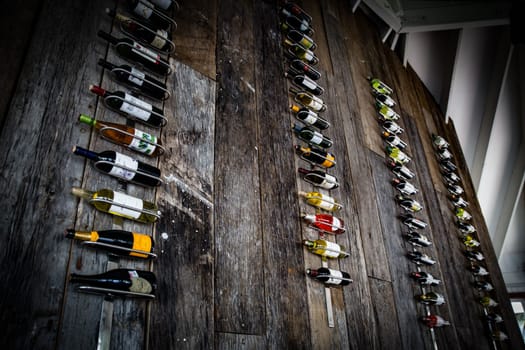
{"points": [[404, 187], [420, 258], [297, 51], [465, 227], [306, 83], [417, 239], [134, 51], [110, 240], [387, 100], [301, 39], [330, 277], [292, 22], [147, 10], [424, 278], [400, 170], [478, 270], [292, 9], [408, 204], [392, 127], [309, 117], [306, 69], [412, 223], [131, 106], [393, 140], [316, 156], [126, 280], [137, 79], [312, 137], [319, 178], [121, 166]]}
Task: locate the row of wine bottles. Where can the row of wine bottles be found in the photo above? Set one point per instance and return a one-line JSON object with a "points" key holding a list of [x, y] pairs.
{"points": [[296, 26], [148, 38], [468, 236], [397, 160]]}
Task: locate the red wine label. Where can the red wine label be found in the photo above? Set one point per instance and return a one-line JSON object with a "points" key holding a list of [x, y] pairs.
{"points": [[144, 8], [126, 206], [140, 142], [146, 53], [336, 277], [160, 39], [136, 77], [136, 107], [125, 167]]}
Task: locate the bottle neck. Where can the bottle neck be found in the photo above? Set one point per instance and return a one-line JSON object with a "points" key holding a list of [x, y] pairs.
{"points": [[87, 120], [303, 171], [308, 217], [295, 108], [80, 235], [312, 272], [98, 90], [102, 62], [107, 37], [82, 193], [86, 153], [297, 128]]}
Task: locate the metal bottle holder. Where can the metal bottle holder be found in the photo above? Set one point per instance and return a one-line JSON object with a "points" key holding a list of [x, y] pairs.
{"points": [[324, 222], [114, 292], [305, 178], [339, 278], [164, 119], [156, 178], [156, 214], [108, 128], [167, 94], [320, 156], [131, 35], [158, 58], [337, 205], [122, 249]]}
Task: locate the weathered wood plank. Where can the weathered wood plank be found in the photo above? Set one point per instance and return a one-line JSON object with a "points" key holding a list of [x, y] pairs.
{"points": [[196, 34], [239, 292]]}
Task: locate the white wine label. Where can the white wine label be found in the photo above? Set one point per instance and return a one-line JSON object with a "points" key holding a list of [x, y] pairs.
{"points": [[332, 250], [317, 138], [160, 39], [146, 53], [337, 277], [140, 142], [163, 4], [309, 84], [308, 56], [136, 77], [326, 203], [310, 118], [144, 8], [316, 104], [136, 108], [328, 182], [122, 164], [126, 206]]}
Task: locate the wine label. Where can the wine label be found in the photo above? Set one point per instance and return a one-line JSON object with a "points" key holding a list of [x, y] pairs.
{"points": [[309, 84], [136, 77], [337, 277], [317, 138], [336, 224], [310, 118], [324, 202], [141, 242], [136, 108], [316, 104], [144, 8], [140, 285], [328, 182], [306, 43], [126, 206], [145, 52], [308, 55], [332, 250], [125, 167], [160, 39], [140, 144], [329, 161]]}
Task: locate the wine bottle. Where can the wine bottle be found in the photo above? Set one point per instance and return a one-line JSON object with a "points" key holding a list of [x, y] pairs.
{"points": [[319, 178], [499, 335], [330, 277], [141, 142], [431, 298], [301, 39], [451, 178], [417, 239], [455, 189], [392, 127], [110, 239], [439, 142], [325, 248], [488, 302], [312, 137], [292, 9], [474, 255], [148, 11], [434, 321], [378, 87], [397, 155], [309, 117], [465, 227], [400, 170], [136, 79], [393, 140], [321, 201], [447, 166], [297, 51], [413, 223], [326, 223], [122, 166], [470, 242], [478, 270], [385, 99], [424, 278], [462, 214], [458, 201], [308, 100], [316, 156], [420, 258], [404, 187], [131, 106], [444, 154], [134, 51], [386, 112], [157, 38], [483, 286], [126, 280], [166, 5], [306, 69], [292, 22], [120, 204], [302, 81], [409, 204], [494, 317]]}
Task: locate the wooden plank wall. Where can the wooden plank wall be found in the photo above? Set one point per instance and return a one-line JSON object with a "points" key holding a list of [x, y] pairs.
{"points": [[231, 269]]}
